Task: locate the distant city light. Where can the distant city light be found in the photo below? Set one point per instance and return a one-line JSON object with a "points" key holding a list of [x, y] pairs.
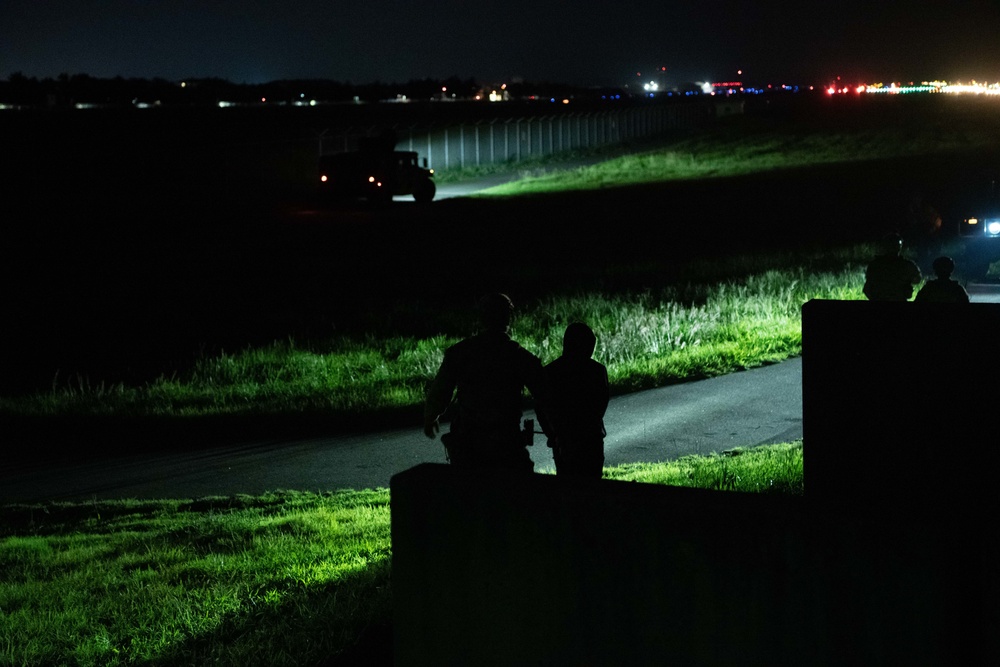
{"points": [[899, 88]]}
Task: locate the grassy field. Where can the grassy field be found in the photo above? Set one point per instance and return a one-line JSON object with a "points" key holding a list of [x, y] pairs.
{"points": [[756, 147], [287, 578], [646, 339]]}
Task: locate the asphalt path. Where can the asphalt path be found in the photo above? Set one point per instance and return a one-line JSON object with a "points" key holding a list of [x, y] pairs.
{"points": [[744, 409]]}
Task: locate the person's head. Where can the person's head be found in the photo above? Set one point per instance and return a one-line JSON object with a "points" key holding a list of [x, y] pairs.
{"points": [[579, 341], [943, 267], [496, 311]]}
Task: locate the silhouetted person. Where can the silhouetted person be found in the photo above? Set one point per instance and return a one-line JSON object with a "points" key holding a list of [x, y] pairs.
{"points": [[943, 289], [487, 374], [578, 400], [890, 276]]}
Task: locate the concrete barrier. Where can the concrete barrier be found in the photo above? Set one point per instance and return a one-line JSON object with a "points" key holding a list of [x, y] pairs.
{"points": [[537, 570], [889, 559], [899, 405]]}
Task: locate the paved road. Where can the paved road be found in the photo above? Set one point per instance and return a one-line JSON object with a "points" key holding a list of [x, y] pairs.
{"points": [[749, 408]]}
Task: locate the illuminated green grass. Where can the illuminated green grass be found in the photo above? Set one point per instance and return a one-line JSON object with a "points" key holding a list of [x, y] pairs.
{"points": [[646, 339], [286, 578], [752, 149]]}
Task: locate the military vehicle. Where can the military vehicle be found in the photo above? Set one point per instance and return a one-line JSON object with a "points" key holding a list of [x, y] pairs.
{"points": [[376, 172]]}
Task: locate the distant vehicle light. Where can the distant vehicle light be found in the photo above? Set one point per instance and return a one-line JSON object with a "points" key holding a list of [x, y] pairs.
{"points": [[323, 178], [371, 179], [993, 227], [972, 221]]}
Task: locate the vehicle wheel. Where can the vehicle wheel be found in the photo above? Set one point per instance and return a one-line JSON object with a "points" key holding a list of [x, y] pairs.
{"points": [[425, 191]]}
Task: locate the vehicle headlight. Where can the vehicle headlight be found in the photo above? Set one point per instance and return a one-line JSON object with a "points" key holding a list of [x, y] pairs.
{"points": [[992, 228]]}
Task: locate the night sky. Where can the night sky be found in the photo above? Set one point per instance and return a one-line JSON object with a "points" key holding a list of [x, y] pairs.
{"points": [[584, 42]]}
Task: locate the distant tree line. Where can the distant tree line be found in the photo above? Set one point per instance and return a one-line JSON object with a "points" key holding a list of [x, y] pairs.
{"points": [[69, 89]]}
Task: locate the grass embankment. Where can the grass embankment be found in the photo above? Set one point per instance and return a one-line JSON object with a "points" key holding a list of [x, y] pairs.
{"points": [[750, 147], [287, 578], [646, 339]]}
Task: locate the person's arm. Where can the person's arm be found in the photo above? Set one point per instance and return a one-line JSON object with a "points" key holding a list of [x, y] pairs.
{"points": [[606, 391], [537, 382], [439, 395]]}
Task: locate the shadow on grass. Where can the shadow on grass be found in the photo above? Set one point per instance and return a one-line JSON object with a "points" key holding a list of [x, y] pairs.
{"points": [[347, 622]]}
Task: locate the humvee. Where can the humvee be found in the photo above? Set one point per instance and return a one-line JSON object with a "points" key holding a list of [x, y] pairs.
{"points": [[375, 173]]}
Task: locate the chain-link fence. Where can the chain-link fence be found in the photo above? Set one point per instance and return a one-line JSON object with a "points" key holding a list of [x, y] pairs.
{"points": [[487, 142]]}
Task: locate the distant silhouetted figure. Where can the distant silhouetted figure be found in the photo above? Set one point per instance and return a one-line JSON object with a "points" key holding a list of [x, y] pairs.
{"points": [[578, 401], [487, 374], [890, 276], [943, 289]]}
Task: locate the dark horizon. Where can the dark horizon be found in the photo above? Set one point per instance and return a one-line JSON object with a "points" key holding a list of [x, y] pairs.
{"points": [[586, 44]]}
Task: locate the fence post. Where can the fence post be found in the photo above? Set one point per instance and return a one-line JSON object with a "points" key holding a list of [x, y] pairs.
{"points": [[506, 140], [477, 142], [517, 128]]}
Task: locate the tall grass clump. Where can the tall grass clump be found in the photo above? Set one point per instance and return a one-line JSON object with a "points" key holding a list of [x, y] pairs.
{"points": [[692, 331], [646, 338]]}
